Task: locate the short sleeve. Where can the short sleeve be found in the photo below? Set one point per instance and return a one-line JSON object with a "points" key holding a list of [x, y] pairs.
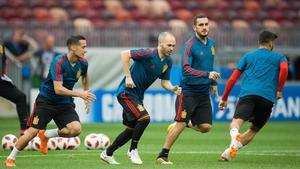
{"points": [[84, 68], [166, 75], [242, 64], [56, 70], [141, 54], [283, 59]]}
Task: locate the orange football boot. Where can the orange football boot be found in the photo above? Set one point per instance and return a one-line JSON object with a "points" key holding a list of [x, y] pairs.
{"points": [[44, 141], [10, 163]]}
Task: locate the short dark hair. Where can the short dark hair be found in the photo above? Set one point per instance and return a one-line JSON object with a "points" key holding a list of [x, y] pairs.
{"points": [[266, 36], [74, 40], [198, 17]]}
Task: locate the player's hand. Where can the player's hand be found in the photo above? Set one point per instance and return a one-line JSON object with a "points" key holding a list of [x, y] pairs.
{"points": [[177, 90], [279, 95], [87, 106], [214, 75], [222, 105], [88, 96], [129, 82], [214, 90]]}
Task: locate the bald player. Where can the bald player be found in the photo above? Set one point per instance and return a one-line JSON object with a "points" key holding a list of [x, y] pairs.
{"points": [[149, 64]]}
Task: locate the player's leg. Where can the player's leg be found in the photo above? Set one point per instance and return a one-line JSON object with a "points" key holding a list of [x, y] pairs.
{"points": [[130, 122], [72, 129], [244, 111], [20, 145], [121, 139], [67, 121], [138, 114], [262, 112], [201, 119], [183, 107], [10, 92], [40, 117]]}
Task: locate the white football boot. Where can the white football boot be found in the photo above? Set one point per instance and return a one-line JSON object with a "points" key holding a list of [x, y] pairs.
{"points": [[108, 159], [134, 156]]}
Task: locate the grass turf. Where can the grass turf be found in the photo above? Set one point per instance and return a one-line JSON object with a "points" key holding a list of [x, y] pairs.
{"points": [[276, 146]]}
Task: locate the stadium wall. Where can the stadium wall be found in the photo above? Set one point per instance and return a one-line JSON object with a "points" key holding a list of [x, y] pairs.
{"points": [[160, 105]]}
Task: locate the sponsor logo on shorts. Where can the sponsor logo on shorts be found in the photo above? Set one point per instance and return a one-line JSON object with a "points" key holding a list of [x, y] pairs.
{"points": [[140, 107], [35, 120]]}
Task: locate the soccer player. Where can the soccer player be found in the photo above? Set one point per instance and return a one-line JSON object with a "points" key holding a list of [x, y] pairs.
{"points": [[149, 64], [10, 92], [193, 107], [264, 74], [55, 99]]}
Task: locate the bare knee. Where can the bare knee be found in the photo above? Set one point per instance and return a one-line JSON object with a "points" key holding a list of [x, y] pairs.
{"points": [[31, 132], [180, 125], [75, 131], [204, 128]]}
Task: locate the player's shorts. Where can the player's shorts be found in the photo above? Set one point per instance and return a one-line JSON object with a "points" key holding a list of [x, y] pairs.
{"points": [[44, 111], [196, 108], [133, 109], [255, 109]]}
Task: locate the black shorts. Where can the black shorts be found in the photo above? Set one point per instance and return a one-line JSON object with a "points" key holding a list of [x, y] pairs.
{"points": [[255, 109], [44, 111], [196, 108], [133, 109]]}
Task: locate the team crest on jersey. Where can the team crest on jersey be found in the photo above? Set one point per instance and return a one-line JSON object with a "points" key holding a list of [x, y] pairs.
{"points": [[78, 73], [183, 114], [35, 120], [165, 68], [140, 107], [213, 51]]}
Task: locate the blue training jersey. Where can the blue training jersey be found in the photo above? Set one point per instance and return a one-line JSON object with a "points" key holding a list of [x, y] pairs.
{"points": [[62, 70], [197, 62], [260, 73], [147, 67]]}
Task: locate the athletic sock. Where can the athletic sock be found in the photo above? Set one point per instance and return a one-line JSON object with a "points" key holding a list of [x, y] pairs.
{"points": [[122, 139], [233, 133], [51, 133], [13, 154], [164, 153], [236, 143], [138, 132]]}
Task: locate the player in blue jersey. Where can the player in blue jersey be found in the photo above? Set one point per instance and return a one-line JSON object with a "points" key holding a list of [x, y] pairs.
{"points": [[264, 74], [149, 64], [55, 99], [193, 108]]}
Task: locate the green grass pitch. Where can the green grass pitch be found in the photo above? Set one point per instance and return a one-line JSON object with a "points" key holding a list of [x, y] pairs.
{"points": [[276, 146]]}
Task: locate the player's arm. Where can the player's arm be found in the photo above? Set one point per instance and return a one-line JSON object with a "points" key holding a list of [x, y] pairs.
{"points": [[61, 90], [283, 73], [85, 81], [166, 84], [188, 58], [230, 83], [125, 57], [85, 86]]}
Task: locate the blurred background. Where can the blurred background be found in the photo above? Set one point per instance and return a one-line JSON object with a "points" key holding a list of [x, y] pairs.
{"points": [[111, 26]]}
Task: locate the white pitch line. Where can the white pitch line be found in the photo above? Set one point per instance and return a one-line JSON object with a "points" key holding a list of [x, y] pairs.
{"points": [[96, 153]]}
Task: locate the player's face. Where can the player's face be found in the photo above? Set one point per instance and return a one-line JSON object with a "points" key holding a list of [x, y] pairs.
{"points": [[202, 27], [168, 45], [80, 49]]}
